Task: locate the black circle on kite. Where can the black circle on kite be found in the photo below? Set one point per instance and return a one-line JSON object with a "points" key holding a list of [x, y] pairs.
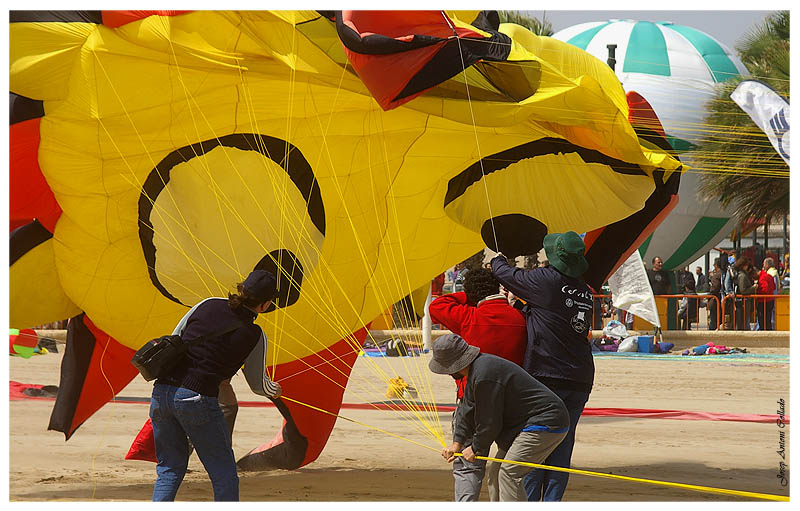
{"points": [[289, 272], [516, 234], [212, 172]]}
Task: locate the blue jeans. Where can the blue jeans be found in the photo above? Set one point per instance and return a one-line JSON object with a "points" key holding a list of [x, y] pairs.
{"points": [[176, 413], [549, 485]]}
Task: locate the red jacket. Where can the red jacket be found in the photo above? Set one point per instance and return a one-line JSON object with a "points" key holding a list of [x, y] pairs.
{"points": [[766, 285], [494, 326]]}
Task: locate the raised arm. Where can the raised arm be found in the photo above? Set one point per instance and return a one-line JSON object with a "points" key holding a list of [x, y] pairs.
{"points": [[516, 280], [450, 311]]}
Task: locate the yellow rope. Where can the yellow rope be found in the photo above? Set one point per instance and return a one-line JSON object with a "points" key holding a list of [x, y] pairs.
{"points": [[694, 487]]}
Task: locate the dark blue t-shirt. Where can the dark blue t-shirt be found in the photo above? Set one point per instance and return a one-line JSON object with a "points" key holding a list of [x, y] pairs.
{"points": [[559, 319]]}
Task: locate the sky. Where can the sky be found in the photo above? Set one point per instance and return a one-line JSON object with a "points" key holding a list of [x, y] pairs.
{"points": [[727, 27]]}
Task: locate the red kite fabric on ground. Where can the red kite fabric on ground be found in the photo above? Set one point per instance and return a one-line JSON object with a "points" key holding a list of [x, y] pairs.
{"points": [[633, 413]]}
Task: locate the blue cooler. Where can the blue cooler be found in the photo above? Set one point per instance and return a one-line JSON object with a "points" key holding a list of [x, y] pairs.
{"points": [[647, 344]]}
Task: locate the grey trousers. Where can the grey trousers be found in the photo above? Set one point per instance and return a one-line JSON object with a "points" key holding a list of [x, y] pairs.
{"points": [[468, 479], [506, 479]]}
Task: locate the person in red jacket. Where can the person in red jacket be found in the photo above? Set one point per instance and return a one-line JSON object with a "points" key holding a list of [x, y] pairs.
{"points": [[482, 317], [765, 306]]}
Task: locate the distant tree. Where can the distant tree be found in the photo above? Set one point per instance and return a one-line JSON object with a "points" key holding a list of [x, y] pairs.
{"points": [[742, 167], [474, 261], [536, 26], [530, 261]]}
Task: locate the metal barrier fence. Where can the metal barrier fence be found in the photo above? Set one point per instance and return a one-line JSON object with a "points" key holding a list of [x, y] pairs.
{"points": [[740, 310], [734, 312], [686, 319]]}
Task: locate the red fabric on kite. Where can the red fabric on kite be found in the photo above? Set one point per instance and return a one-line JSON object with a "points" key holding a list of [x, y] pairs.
{"points": [[94, 370], [29, 194], [386, 75], [640, 113], [144, 445], [114, 19], [331, 371], [645, 413], [17, 389]]}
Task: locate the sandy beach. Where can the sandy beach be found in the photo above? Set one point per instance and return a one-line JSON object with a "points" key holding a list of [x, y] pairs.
{"points": [[364, 464]]}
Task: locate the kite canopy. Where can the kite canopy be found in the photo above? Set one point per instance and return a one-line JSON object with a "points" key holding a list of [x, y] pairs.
{"points": [[676, 69], [355, 156]]}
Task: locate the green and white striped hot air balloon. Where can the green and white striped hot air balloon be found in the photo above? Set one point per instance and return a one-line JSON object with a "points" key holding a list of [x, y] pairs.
{"points": [[676, 69]]}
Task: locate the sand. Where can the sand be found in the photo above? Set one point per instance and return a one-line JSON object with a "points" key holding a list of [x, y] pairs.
{"points": [[362, 464]]}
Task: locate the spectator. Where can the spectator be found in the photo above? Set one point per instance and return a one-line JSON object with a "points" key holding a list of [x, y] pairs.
{"points": [[483, 317], [687, 312], [437, 285], [685, 276], [659, 278], [744, 286], [765, 307], [457, 276], [715, 290], [702, 281], [729, 287]]}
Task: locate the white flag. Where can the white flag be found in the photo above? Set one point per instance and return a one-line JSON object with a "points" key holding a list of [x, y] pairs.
{"points": [[631, 291], [769, 110]]}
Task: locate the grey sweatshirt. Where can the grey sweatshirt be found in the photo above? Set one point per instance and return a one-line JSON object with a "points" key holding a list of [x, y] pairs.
{"points": [[500, 399]]}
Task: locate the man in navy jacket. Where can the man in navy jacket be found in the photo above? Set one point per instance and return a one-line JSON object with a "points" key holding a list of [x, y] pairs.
{"points": [[559, 317]]}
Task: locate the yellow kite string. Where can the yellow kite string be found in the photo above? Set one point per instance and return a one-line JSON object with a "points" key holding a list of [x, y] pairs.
{"points": [[707, 489]]}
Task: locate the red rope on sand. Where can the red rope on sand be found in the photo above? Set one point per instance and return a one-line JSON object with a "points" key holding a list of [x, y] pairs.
{"points": [[16, 392]]}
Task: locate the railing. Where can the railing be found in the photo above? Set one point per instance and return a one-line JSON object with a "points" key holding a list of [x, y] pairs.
{"points": [[732, 313], [690, 319], [687, 319], [739, 310]]}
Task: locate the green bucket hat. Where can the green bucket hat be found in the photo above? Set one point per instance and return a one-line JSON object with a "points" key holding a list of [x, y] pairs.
{"points": [[565, 253]]}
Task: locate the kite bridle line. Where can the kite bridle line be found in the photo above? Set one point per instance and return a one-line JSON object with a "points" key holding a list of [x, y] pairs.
{"points": [[474, 126]]}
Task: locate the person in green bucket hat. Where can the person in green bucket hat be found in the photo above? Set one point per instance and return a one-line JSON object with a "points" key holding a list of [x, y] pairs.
{"points": [[558, 314]]}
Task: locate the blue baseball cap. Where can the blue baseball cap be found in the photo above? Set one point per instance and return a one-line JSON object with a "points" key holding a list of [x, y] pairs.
{"points": [[261, 285]]}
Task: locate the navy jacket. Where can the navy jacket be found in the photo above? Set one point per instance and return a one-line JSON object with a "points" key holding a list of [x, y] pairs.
{"points": [[559, 318], [218, 358], [500, 399]]}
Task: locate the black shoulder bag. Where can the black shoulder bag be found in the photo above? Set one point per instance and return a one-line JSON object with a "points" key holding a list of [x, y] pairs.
{"points": [[160, 356]]}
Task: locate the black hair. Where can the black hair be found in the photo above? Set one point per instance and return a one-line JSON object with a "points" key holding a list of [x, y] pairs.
{"points": [[480, 283], [242, 298]]}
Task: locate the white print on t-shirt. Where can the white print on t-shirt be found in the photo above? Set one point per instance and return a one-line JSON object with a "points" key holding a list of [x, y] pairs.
{"points": [[569, 302], [578, 322], [577, 292]]}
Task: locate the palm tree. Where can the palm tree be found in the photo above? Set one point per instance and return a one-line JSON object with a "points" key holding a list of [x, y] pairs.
{"points": [[542, 27], [741, 167]]}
